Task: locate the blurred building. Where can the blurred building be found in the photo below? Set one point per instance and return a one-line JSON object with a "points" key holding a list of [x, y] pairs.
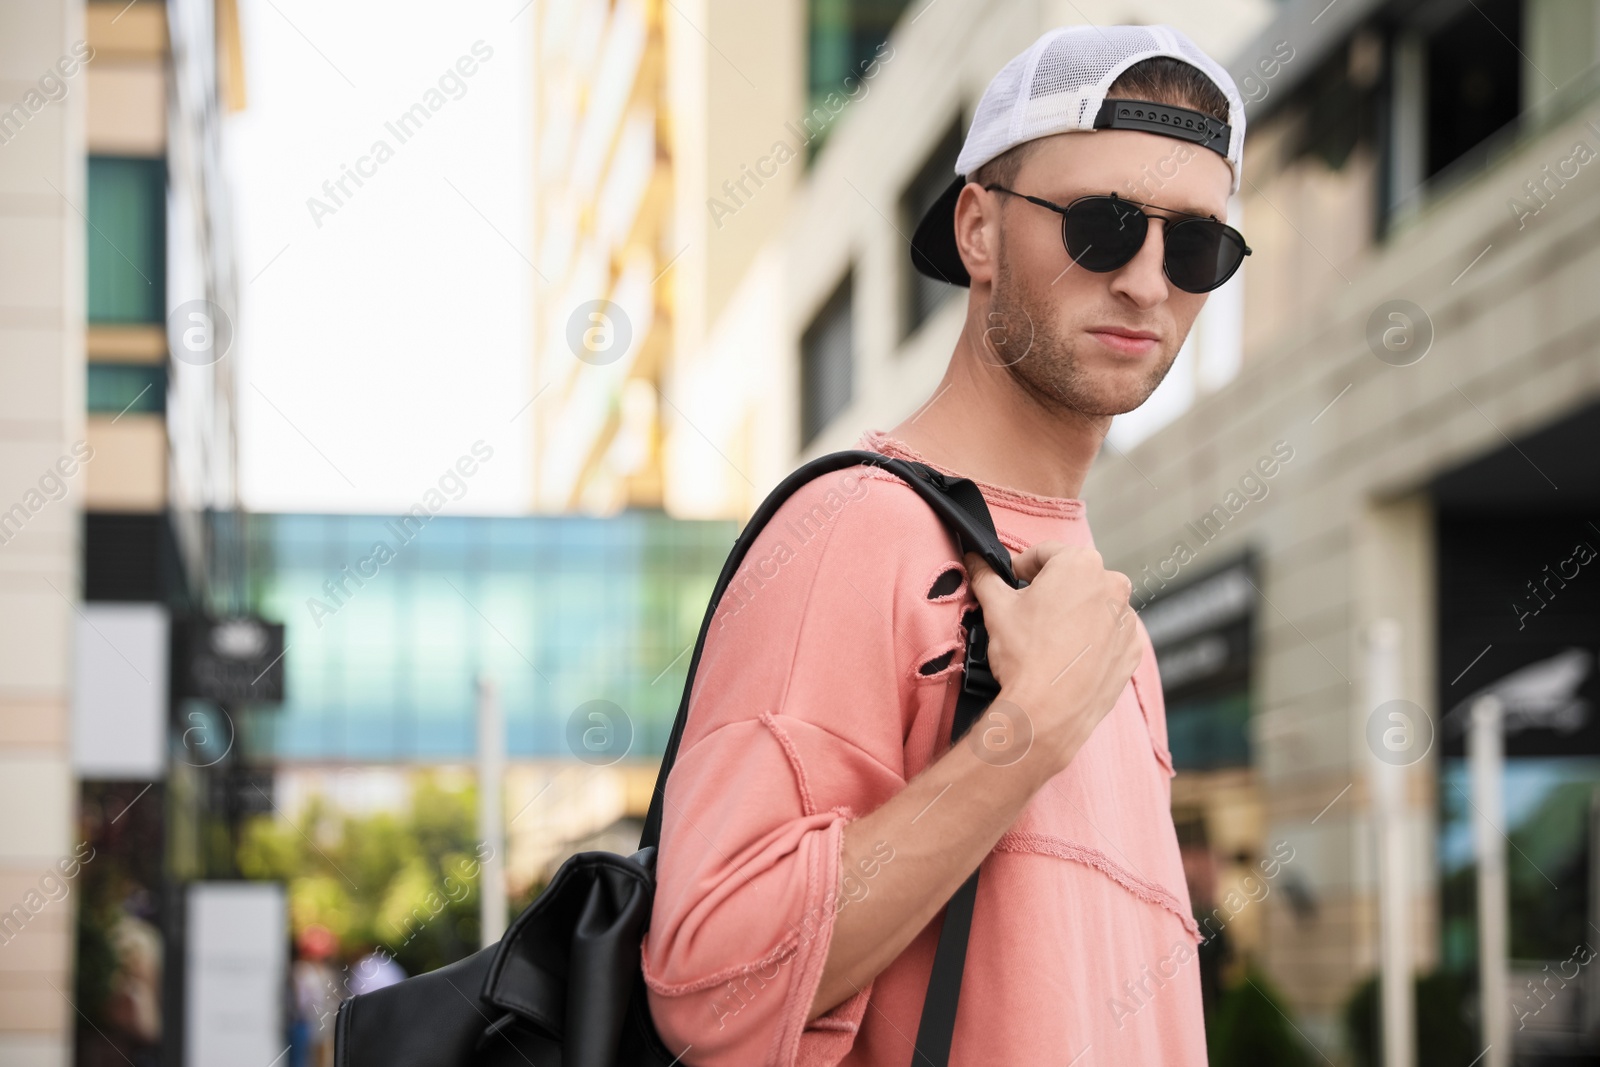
{"points": [[43, 416], [120, 442], [1415, 337], [603, 195], [668, 138], [585, 626], [1389, 414], [557, 610]]}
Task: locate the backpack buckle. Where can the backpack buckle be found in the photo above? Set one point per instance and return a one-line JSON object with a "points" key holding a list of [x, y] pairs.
{"points": [[977, 679]]}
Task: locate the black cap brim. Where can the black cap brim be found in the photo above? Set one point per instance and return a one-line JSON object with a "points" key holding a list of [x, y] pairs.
{"points": [[933, 245]]}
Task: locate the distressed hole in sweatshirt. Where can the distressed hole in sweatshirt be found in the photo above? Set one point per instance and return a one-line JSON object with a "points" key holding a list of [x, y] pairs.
{"points": [[947, 582]]}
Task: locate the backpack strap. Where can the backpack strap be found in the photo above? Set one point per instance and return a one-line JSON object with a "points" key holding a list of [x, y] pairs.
{"points": [[961, 508], [937, 1027], [957, 502]]}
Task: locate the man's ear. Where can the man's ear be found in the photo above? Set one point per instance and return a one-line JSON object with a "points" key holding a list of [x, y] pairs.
{"points": [[977, 222]]}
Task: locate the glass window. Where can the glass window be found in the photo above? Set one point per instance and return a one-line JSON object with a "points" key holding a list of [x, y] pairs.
{"points": [[923, 294], [1519, 619], [1202, 633], [826, 363], [843, 39], [581, 609], [127, 240], [1474, 76], [114, 388]]}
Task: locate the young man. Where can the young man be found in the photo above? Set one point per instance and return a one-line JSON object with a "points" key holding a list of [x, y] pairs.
{"points": [[818, 818]]}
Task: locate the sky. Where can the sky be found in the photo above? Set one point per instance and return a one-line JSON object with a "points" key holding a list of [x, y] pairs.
{"points": [[383, 329]]}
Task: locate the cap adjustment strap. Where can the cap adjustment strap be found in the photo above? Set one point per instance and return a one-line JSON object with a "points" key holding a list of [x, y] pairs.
{"points": [[1169, 119]]}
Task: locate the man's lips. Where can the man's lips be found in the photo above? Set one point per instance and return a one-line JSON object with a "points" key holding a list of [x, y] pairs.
{"points": [[1125, 341]]}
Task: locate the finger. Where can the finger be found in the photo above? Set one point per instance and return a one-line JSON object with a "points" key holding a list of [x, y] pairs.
{"points": [[986, 585], [1028, 565]]}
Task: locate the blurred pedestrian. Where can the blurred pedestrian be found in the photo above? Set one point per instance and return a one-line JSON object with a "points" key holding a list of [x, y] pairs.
{"points": [[316, 997], [376, 969]]}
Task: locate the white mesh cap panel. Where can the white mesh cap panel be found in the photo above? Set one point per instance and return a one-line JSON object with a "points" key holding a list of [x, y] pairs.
{"points": [[1059, 83], [991, 123]]}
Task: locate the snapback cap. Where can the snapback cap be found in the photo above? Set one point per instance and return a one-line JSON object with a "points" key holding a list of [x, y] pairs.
{"points": [[1059, 85]]}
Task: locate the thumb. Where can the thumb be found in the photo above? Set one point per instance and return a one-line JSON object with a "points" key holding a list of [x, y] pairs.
{"points": [[986, 585]]}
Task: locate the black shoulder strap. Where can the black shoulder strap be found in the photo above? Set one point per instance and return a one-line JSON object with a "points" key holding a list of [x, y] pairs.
{"points": [[934, 1033], [960, 506]]}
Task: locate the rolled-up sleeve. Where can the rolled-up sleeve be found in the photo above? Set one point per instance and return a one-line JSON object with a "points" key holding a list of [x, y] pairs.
{"points": [[804, 698]]}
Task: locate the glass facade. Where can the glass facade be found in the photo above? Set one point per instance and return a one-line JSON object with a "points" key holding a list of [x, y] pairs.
{"points": [[389, 624], [1551, 807], [923, 295], [1203, 637], [116, 388], [827, 362], [127, 240], [1519, 619], [842, 39]]}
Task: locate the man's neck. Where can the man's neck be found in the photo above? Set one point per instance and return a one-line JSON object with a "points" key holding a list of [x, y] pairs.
{"points": [[982, 423]]}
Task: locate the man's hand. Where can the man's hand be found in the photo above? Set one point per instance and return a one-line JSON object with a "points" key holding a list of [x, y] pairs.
{"points": [[1063, 650], [1064, 647]]}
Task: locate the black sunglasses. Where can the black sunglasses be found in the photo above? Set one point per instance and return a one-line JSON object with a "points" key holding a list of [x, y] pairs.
{"points": [[1104, 232]]}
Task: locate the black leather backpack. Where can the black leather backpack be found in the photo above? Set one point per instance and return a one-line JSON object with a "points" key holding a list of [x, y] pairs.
{"points": [[563, 987]]}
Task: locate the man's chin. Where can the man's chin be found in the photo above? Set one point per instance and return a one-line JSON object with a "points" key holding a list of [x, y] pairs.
{"points": [[1108, 409], [1115, 398]]}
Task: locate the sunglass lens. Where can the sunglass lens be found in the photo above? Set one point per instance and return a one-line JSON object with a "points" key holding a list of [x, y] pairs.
{"points": [[1202, 254], [1102, 233]]}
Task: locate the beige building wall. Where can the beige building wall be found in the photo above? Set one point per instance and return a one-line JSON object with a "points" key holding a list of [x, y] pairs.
{"points": [[644, 109], [738, 79], [1345, 537], [41, 416], [601, 186]]}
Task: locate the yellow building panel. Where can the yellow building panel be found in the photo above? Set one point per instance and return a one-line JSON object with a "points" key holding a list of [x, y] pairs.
{"points": [[129, 469], [120, 30], [230, 56], [126, 344]]}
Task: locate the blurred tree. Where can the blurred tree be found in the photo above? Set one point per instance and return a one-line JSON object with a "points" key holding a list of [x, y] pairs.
{"points": [[1445, 1035], [1547, 875], [117, 885], [1251, 1027], [405, 882]]}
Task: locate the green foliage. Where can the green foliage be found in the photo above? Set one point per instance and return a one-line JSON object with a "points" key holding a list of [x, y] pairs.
{"points": [[1251, 1028], [1547, 880], [123, 867], [1445, 1036], [96, 956], [407, 883]]}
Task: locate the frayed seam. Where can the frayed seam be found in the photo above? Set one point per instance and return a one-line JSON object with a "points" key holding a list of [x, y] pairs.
{"points": [[1048, 845], [786, 743]]}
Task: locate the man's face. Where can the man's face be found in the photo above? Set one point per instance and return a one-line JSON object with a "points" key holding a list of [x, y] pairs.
{"points": [[1046, 314]]}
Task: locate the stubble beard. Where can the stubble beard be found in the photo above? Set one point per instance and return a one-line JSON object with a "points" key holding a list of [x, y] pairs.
{"points": [[1043, 363]]}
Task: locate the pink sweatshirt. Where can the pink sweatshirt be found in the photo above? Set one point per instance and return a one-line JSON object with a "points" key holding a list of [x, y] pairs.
{"points": [[829, 679]]}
